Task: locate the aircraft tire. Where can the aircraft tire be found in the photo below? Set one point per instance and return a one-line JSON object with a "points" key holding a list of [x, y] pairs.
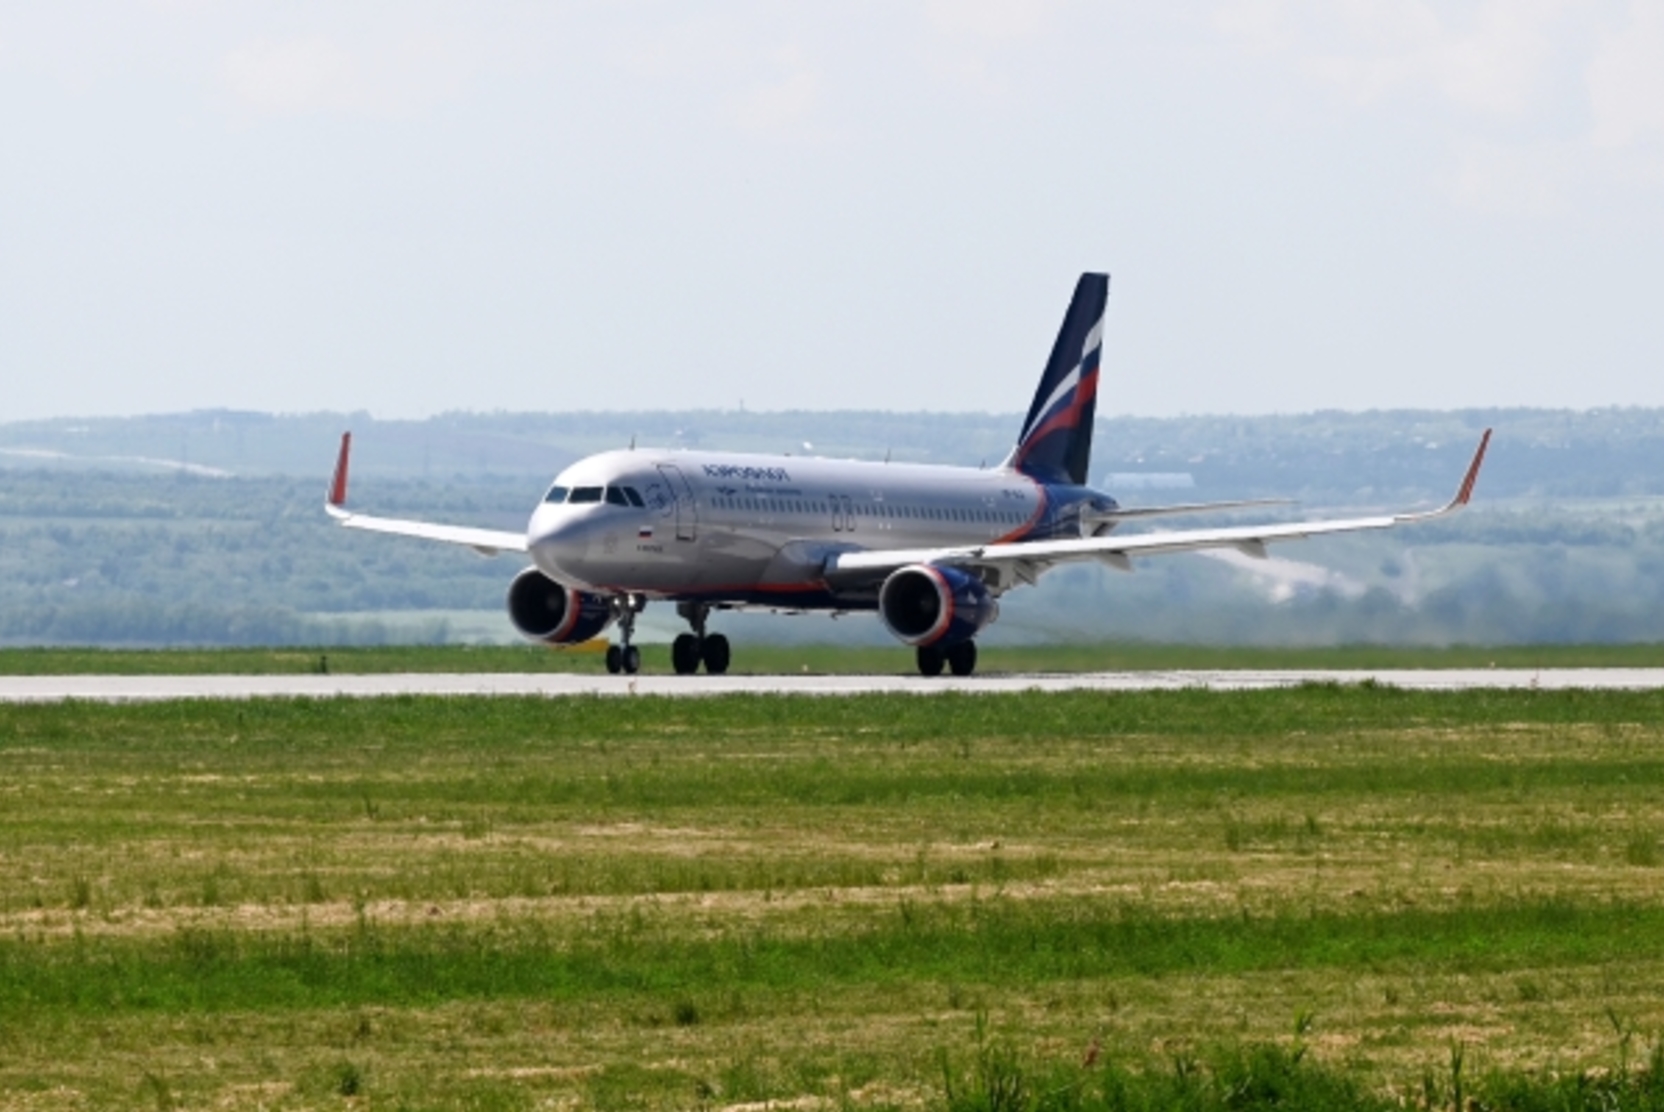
{"points": [[684, 654], [962, 658], [930, 660], [615, 659], [716, 653], [631, 660]]}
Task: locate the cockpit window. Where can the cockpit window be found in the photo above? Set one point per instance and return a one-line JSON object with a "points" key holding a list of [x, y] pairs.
{"points": [[557, 494], [585, 494], [615, 496], [635, 499]]}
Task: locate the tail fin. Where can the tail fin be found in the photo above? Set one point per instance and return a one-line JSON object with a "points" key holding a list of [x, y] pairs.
{"points": [[1056, 443]]}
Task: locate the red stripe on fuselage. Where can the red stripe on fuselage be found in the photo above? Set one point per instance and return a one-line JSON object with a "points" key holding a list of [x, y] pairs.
{"points": [[1035, 518], [725, 588]]}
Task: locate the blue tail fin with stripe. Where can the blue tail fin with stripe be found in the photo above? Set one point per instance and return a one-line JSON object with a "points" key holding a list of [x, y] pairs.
{"points": [[1056, 442]]}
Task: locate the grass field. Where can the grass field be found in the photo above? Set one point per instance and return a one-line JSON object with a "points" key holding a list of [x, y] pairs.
{"points": [[1339, 895], [773, 659]]}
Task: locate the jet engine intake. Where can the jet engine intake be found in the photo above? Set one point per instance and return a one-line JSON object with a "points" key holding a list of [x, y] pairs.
{"points": [[543, 610], [924, 604]]}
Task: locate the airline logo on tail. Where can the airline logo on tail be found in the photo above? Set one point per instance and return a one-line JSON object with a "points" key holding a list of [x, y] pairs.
{"points": [[1056, 442]]}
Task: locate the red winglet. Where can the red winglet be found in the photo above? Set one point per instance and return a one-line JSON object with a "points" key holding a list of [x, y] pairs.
{"points": [[338, 486], [1472, 476]]}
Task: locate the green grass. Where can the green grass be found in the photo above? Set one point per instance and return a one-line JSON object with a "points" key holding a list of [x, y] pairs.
{"points": [[1274, 1076], [878, 901], [1000, 943], [819, 659]]}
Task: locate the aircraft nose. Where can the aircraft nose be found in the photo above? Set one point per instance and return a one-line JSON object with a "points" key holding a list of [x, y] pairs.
{"points": [[557, 541]]}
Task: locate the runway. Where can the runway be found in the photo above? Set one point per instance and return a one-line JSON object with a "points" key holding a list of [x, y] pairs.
{"points": [[118, 689]]}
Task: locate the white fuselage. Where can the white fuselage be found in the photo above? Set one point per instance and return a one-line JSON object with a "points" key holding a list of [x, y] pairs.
{"points": [[757, 529]]}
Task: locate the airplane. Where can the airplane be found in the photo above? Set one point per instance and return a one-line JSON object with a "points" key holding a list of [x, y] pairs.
{"points": [[930, 548]]}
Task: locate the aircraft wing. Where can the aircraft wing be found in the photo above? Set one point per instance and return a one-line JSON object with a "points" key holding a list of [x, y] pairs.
{"points": [[1023, 561], [487, 542]]}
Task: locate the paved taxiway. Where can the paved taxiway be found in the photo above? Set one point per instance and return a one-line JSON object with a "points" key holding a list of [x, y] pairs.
{"points": [[25, 689]]}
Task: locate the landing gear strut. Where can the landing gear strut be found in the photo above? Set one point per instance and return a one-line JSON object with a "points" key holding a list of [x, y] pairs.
{"points": [[689, 650], [625, 657], [959, 657]]}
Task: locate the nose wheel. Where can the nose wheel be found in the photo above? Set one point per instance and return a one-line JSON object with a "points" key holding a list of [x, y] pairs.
{"points": [[690, 650], [625, 657]]}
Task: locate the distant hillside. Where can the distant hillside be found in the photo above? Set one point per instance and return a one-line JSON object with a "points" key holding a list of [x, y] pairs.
{"points": [[1317, 457], [207, 527]]}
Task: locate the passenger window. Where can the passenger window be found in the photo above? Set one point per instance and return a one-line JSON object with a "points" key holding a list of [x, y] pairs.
{"points": [[615, 497], [585, 494], [635, 499], [556, 494]]}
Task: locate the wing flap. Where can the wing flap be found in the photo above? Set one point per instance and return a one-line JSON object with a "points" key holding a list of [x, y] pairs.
{"points": [[1122, 513]]}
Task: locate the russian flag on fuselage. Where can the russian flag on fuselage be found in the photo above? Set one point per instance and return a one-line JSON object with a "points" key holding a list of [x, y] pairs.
{"points": [[1056, 442]]}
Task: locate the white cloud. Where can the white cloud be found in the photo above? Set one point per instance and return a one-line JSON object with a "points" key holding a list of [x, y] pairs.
{"points": [[778, 105], [1498, 82], [301, 75], [966, 37], [1494, 61], [994, 20], [1515, 180], [318, 74], [756, 79], [1626, 80]]}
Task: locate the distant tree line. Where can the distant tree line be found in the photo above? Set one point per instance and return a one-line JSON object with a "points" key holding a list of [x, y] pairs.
{"points": [[1565, 541]]}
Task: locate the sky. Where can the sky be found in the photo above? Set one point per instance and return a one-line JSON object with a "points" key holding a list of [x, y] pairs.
{"points": [[415, 207]]}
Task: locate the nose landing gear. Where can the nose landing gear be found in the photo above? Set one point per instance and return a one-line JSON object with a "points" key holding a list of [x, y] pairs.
{"points": [[625, 657], [689, 650]]}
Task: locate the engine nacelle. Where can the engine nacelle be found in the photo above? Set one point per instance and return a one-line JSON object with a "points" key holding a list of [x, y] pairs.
{"points": [[546, 611], [923, 604]]}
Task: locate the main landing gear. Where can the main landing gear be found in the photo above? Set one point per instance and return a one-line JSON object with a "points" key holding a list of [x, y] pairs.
{"points": [[689, 650], [625, 657], [959, 657]]}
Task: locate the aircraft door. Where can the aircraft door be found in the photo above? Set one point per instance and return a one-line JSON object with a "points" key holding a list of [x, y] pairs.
{"points": [[843, 517], [687, 514]]}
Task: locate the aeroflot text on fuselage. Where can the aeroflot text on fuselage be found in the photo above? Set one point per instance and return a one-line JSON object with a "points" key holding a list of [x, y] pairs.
{"points": [[931, 549], [742, 471]]}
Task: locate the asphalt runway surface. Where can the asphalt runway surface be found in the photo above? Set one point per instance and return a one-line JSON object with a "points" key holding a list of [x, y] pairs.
{"points": [[32, 689]]}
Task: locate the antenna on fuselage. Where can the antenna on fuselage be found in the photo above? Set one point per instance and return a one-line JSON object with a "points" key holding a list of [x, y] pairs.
{"points": [[886, 455], [632, 442]]}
